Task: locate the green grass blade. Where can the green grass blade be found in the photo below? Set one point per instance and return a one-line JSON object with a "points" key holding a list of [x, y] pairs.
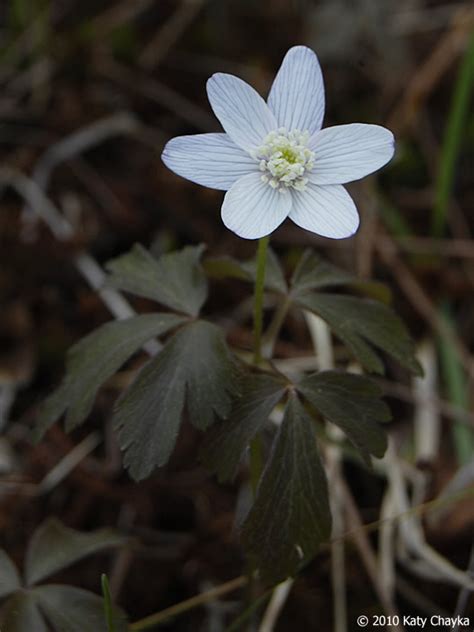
{"points": [[456, 385], [108, 608], [452, 140]]}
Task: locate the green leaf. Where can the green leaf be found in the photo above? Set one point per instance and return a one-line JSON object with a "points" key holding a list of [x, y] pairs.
{"points": [[108, 605], [225, 267], [228, 267], [9, 576], [71, 609], [358, 322], [291, 516], [175, 279], [226, 441], [93, 360], [353, 403], [313, 273], [194, 366], [21, 614], [54, 546]]}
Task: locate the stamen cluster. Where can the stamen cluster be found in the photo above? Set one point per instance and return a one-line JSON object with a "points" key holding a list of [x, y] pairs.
{"points": [[285, 159]]}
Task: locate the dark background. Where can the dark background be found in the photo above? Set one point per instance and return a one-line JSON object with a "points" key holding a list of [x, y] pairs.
{"points": [[65, 66]]}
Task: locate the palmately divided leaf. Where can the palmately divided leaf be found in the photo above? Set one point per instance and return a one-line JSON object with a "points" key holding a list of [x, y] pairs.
{"points": [[175, 279], [93, 360], [22, 614], [291, 516], [225, 443], [314, 273], [225, 267], [358, 321], [228, 267], [54, 546], [353, 403], [71, 609], [9, 576], [194, 366]]}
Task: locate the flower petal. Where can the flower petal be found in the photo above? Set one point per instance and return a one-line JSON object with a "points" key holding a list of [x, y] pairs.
{"points": [[328, 211], [348, 152], [212, 160], [241, 110], [252, 209], [297, 94]]}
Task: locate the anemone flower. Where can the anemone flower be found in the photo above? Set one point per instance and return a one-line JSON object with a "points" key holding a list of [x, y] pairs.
{"points": [[274, 160]]}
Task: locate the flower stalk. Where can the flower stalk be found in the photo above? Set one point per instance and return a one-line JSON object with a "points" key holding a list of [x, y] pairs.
{"points": [[256, 458], [258, 298]]}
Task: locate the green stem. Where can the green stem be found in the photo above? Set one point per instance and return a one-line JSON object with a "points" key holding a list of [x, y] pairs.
{"points": [[256, 445], [108, 608], [258, 298], [256, 448]]}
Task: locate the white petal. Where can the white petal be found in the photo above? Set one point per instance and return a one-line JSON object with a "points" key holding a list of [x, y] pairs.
{"points": [[328, 211], [297, 94], [241, 110], [212, 160], [348, 152], [252, 209]]}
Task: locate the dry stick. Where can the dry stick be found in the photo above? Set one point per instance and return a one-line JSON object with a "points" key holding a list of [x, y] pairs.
{"points": [[159, 93], [409, 21], [68, 463], [427, 422], [428, 76], [96, 185], [40, 72], [168, 34], [362, 542], [387, 251], [417, 511], [82, 140], [36, 199], [386, 547], [239, 582], [465, 593], [277, 602], [19, 49], [154, 619], [426, 561], [412, 595], [69, 147], [123, 557], [405, 394], [322, 344], [458, 248], [118, 14], [76, 143]]}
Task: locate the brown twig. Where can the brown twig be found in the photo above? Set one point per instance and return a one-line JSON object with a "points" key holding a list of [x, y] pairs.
{"points": [[432, 70], [388, 253], [170, 32]]}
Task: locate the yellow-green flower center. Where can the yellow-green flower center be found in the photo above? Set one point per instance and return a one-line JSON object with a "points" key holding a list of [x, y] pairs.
{"points": [[285, 159], [288, 154]]}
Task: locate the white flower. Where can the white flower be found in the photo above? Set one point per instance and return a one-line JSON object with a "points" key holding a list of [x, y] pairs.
{"points": [[274, 160]]}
